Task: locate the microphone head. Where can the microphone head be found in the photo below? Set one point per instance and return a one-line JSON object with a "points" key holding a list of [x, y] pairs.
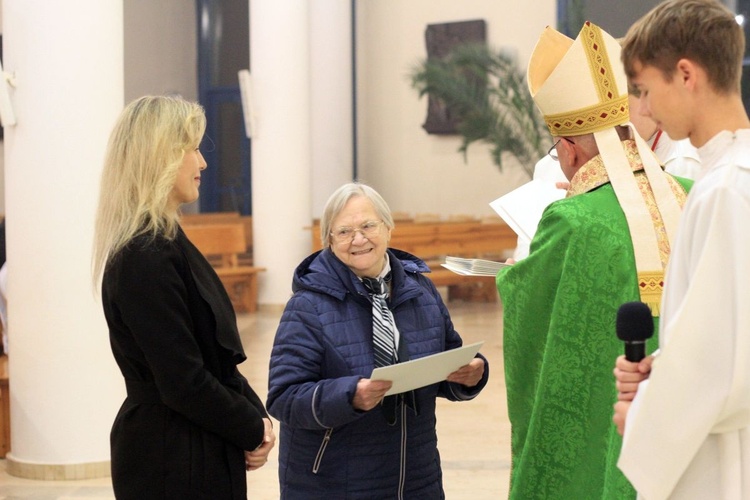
{"points": [[634, 322]]}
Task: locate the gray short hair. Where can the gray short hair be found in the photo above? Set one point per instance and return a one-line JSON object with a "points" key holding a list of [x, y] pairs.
{"points": [[338, 201]]}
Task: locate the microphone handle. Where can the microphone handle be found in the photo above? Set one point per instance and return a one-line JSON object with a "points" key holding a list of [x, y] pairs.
{"points": [[635, 350]]}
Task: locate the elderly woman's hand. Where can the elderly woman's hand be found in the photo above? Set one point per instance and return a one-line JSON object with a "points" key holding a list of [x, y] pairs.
{"points": [[370, 393], [468, 375]]}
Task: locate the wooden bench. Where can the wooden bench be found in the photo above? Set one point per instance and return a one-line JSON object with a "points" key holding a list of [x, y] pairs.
{"points": [[432, 241], [209, 218], [244, 258], [222, 243]]}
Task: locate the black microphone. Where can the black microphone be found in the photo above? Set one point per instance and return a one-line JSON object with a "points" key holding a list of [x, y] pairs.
{"points": [[634, 326]]}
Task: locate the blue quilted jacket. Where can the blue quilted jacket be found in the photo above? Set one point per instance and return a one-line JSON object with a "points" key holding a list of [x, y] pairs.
{"points": [[323, 346]]}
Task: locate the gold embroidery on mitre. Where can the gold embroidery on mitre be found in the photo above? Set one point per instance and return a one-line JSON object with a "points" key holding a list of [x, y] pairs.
{"points": [[612, 108], [651, 286], [599, 65], [590, 119]]}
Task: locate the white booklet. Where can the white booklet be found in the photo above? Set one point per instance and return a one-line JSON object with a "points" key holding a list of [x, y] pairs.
{"points": [[473, 267], [522, 208], [425, 371]]}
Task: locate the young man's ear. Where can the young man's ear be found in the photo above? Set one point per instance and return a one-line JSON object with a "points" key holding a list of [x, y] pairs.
{"points": [[687, 72]]}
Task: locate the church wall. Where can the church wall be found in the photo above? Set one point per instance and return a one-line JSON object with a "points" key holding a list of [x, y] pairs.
{"points": [[417, 172]]}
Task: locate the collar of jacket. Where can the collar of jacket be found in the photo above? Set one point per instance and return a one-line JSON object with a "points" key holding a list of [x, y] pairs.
{"points": [[323, 272]]}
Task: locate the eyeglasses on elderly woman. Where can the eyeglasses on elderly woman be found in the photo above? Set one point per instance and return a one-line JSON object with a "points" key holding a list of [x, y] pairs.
{"points": [[345, 234]]}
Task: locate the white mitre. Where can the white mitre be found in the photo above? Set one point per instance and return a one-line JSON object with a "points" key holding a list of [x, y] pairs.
{"points": [[580, 87], [572, 101]]}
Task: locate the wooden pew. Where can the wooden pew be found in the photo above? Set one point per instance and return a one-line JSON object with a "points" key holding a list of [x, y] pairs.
{"points": [[245, 257], [209, 218], [222, 243], [432, 241]]}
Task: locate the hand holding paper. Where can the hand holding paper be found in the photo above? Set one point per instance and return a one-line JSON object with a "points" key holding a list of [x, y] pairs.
{"points": [[428, 370], [468, 375], [370, 393]]}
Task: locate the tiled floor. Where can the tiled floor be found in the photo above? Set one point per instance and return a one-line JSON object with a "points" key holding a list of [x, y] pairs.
{"points": [[473, 437]]}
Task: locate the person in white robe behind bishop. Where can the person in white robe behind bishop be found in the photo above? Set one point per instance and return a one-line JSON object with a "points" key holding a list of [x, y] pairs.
{"points": [[678, 157]]}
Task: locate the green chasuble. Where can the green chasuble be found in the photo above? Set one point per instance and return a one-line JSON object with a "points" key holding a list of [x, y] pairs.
{"points": [[560, 305]]}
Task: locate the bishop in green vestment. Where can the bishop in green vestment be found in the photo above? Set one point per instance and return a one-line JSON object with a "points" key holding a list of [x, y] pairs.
{"points": [[560, 305], [605, 244]]}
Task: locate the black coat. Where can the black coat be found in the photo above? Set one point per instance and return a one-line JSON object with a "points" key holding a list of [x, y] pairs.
{"points": [[189, 413]]}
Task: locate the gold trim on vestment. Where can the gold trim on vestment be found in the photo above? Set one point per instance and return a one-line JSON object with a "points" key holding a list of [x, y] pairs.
{"points": [[594, 174], [651, 287]]}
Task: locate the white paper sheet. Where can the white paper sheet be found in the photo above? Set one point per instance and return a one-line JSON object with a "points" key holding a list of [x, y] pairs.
{"points": [[425, 371], [522, 208]]}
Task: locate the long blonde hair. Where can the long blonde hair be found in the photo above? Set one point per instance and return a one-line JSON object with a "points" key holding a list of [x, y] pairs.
{"points": [[144, 153]]}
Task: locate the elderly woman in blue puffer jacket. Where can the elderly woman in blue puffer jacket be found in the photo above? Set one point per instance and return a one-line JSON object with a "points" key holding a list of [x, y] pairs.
{"points": [[341, 438]]}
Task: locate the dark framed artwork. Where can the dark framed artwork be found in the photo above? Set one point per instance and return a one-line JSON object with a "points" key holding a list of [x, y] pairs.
{"points": [[440, 40]]}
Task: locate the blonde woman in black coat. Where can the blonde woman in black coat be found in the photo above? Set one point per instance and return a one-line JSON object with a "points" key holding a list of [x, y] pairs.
{"points": [[191, 425]]}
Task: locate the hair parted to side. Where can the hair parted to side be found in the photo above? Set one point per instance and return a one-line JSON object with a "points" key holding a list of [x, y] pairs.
{"points": [[703, 31], [144, 153], [337, 201]]}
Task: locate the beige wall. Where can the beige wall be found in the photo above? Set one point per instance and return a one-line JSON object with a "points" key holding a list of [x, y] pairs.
{"points": [[160, 48], [417, 172], [160, 53]]}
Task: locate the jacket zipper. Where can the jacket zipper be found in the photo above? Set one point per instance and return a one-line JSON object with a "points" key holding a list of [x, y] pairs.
{"points": [[322, 450], [402, 464]]}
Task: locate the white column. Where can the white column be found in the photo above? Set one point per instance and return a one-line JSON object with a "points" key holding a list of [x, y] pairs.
{"points": [[330, 98], [65, 387], [281, 156]]}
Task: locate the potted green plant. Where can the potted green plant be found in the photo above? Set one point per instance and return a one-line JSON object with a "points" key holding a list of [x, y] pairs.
{"points": [[488, 94]]}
